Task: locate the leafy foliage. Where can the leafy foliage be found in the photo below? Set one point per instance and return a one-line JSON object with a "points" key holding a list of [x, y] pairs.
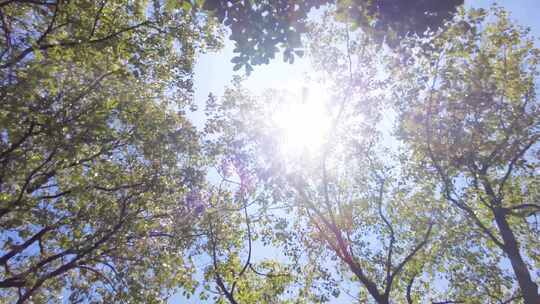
{"points": [[470, 115], [394, 20], [96, 163], [259, 28]]}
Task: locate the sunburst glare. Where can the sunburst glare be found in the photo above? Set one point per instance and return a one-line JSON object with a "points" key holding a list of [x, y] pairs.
{"points": [[304, 122]]}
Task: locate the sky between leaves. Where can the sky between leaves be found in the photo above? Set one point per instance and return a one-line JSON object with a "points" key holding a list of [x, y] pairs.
{"points": [[213, 73]]}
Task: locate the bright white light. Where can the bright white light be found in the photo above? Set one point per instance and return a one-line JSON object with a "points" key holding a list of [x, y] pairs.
{"points": [[303, 123]]}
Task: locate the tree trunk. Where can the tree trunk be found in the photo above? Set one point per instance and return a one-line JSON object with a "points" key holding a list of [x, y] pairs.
{"points": [[528, 287]]}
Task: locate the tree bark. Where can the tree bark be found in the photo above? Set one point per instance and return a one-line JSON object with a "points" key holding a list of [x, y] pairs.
{"points": [[528, 287]]}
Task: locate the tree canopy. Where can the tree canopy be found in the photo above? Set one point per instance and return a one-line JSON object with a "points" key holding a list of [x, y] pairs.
{"points": [[406, 172]]}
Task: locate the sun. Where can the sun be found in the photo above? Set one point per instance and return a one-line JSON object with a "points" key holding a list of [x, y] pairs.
{"points": [[303, 122]]}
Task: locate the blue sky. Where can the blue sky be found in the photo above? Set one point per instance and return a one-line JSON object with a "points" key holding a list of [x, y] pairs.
{"points": [[214, 72]]}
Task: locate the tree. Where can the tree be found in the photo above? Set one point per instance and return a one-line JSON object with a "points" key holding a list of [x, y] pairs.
{"points": [[93, 187], [392, 20], [239, 277], [97, 158], [347, 212], [470, 114]]}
